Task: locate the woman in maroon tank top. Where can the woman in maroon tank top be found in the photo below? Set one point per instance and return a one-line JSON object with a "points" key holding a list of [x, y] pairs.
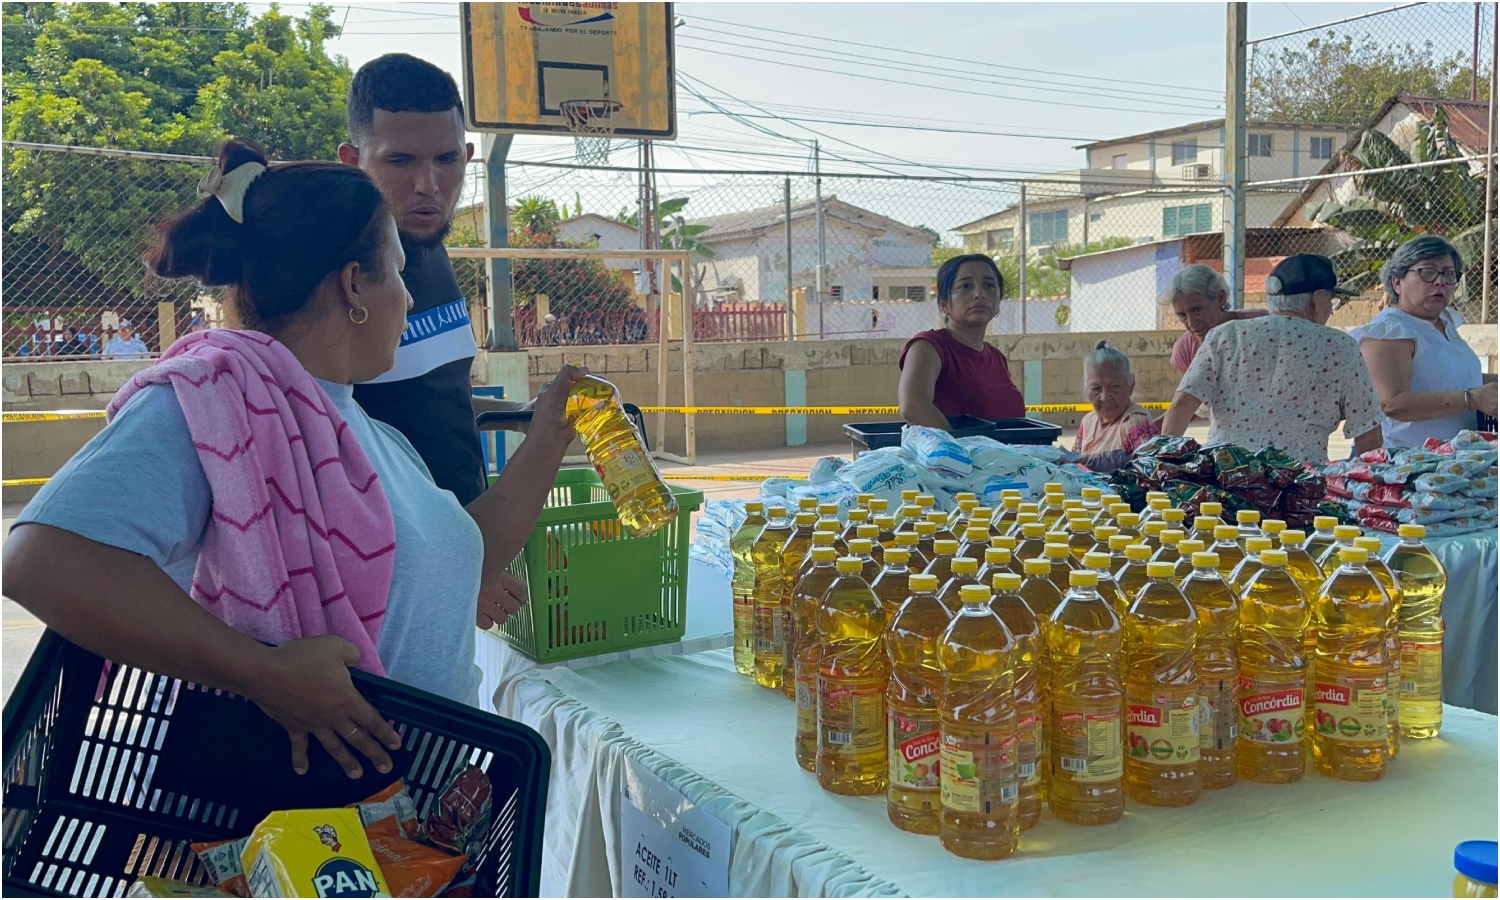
{"points": [[951, 371]]}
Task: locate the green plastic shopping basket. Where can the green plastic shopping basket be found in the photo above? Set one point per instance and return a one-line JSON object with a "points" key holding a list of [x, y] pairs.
{"points": [[594, 589]]}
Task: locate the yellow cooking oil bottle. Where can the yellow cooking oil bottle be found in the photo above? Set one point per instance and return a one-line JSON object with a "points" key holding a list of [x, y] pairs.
{"points": [[1117, 509], [770, 586], [1161, 693], [1155, 506], [1081, 538], [1005, 542], [618, 453], [926, 537], [871, 533], [1273, 617], [1272, 528], [1053, 503], [1322, 537], [819, 539], [1129, 524], [1203, 529], [963, 504], [1423, 581], [1060, 560], [1038, 590], [1092, 502], [965, 571], [742, 585], [1084, 696], [1185, 550], [1102, 534], [878, 506], [1218, 663], [916, 560], [908, 517], [1132, 575], [1354, 665], [828, 519], [1166, 550], [852, 674], [858, 517], [1107, 588], [793, 557], [1304, 570], [863, 501], [863, 549], [996, 561], [1005, 514], [1116, 549], [979, 789], [1343, 536], [1248, 526], [1025, 629], [943, 553], [1387, 578], [807, 599], [1023, 518], [976, 541], [891, 584], [1175, 518], [941, 531], [1226, 546], [913, 739], [887, 526], [1211, 508], [1251, 563], [1032, 539], [1151, 534]]}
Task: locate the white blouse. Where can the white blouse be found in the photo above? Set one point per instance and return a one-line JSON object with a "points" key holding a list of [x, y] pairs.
{"points": [[1441, 363]]}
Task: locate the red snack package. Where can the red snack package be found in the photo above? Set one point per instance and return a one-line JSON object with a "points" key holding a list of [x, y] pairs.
{"points": [[390, 811], [460, 816], [412, 869], [222, 861]]}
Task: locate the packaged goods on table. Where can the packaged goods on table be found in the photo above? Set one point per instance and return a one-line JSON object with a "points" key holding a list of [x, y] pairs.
{"points": [[1266, 481], [1448, 487]]}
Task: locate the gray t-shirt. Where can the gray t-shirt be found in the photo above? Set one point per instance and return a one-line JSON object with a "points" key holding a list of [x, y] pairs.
{"points": [[138, 486]]}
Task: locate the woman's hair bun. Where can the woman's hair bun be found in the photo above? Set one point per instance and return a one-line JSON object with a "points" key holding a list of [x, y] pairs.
{"points": [[203, 242]]}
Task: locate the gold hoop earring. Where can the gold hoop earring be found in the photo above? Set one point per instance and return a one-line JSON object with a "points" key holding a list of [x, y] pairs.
{"points": [[362, 319]]}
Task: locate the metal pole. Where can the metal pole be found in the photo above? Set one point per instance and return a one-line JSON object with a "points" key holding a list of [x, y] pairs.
{"points": [[1235, 158], [1491, 280], [1021, 281], [791, 333], [502, 334], [688, 398], [822, 244], [1474, 72]]}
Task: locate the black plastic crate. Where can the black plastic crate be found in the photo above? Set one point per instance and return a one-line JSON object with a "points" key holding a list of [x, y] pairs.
{"points": [[1024, 431], [875, 435], [112, 771]]}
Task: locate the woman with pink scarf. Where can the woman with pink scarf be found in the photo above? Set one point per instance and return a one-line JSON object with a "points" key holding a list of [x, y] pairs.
{"points": [[241, 523]]}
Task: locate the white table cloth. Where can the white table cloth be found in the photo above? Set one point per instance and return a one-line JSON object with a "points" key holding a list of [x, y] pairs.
{"points": [[1469, 648], [727, 745]]}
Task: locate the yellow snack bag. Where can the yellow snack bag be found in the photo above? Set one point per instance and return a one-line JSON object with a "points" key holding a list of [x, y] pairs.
{"points": [[312, 853]]}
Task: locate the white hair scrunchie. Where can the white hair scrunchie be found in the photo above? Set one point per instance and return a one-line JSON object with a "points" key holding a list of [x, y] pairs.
{"points": [[230, 189]]}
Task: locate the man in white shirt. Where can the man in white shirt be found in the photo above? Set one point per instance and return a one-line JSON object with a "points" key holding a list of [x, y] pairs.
{"points": [[125, 344]]}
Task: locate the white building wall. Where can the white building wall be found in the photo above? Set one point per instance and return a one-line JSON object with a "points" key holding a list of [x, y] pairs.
{"points": [[1117, 291]]}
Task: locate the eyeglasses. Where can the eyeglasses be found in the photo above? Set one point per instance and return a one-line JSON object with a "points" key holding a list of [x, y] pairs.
{"points": [[1430, 275]]}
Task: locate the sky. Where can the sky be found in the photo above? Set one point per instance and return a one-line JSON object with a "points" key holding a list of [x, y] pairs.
{"points": [[1120, 68]]}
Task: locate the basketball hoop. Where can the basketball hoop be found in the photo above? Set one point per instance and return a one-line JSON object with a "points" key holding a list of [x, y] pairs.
{"points": [[592, 122]]}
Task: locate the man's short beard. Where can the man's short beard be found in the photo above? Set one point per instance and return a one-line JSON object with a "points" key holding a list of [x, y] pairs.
{"points": [[412, 242]]}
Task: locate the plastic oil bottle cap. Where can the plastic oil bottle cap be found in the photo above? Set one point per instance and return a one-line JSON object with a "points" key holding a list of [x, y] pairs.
{"points": [[1225, 532], [897, 556], [1160, 503], [878, 505], [830, 525], [1055, 537], [1160, 569], [966, 497], [909, 496], [828, 509], [1091, 493], [807, 519], [1119, 509], [1037, 566], [1174, 516], [926, 501], [1118, 542], [808, 504], [1033, 530], [1211, 508], [1206, 523], [1369, 543], [1011, 492], [945, 548], [1083, 578], [1324, 523], [1152, 495], [910, 511], [1187, 547], [1053, 487], [925, 529], [983, 512], [1056, 551], [868, 532], [1354, 555], [1128, 519], [850, 565], [754, 506], [1206, 560], [1257, 545], [965, 565], [824, 554], [777, 511], [1073, 503], [1006, 581], [1103, 533], [1013, 502], [1154, 529], [937, 517], [1346, 532], [824, 538], [1475, 860], [1004, 541], [1170, 536], [863, 499], [1273, 527], [974, 593], [1417, 532], [906, 539], [1292, 537], [977, 534], [1026, 518], [1097, 560], [860, 547], [1247, 517], [996, 556], [1138, 552], [1275, 558], [922, 583], [1080, 525], [859, 515]]}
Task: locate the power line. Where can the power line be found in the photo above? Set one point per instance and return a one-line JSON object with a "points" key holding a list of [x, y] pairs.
{"points": [[898, 127]]}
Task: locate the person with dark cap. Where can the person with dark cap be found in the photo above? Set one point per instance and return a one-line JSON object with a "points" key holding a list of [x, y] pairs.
{"points": [[1285, 380]]}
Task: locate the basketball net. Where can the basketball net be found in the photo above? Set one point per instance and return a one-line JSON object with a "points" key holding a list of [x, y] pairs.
{"points": [[592, 122]]}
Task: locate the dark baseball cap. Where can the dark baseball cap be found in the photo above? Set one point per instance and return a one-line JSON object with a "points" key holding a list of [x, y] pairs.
{"points": [[1303, 274]]}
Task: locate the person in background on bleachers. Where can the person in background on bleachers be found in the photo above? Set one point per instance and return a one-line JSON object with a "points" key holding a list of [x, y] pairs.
{"points": [[126, 344], [1109, 433]]}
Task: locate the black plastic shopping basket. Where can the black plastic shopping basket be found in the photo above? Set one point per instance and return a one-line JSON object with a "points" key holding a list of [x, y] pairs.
{"points": [[112, 771]]}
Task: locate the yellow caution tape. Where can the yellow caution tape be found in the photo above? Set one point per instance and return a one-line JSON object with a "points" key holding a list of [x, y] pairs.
{"points": [[9, 417], [842, 410], [23, 482]]}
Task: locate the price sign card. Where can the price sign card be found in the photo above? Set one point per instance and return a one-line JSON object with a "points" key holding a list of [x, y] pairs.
{"points": [[668, 846]]}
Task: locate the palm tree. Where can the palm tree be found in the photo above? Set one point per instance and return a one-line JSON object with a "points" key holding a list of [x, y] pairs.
{"points": [[535, 214]]}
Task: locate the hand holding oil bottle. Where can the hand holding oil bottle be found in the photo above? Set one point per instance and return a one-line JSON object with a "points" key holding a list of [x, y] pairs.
{"points": [[1071, 653]]}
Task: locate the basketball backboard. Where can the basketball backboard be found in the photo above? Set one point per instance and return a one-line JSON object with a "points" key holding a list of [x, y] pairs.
{"points": [[570, 68]]}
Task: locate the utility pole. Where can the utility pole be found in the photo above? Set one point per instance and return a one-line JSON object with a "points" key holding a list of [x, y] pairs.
{"points": [[1021, 232], [1235, 158], [821, 283], [1474, 71], [1491, 280], [787, 201], [502, 332]]}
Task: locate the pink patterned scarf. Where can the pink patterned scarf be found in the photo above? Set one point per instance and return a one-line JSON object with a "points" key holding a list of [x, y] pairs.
{"points": [[301, 540]]}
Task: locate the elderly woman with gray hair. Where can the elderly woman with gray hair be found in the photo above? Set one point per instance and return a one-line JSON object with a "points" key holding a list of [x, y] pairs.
{"points": [[1109, 433], [1427, 377], [1285, 380], [1199, 297]]}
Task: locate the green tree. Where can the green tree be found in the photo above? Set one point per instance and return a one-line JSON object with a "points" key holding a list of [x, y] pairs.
{"points": [[160, 77], [535, 214], [1045, 276], [1344, 79]]}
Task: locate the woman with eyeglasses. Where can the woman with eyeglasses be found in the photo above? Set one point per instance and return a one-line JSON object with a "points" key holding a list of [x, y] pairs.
{"points": [[1426, 375]]}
